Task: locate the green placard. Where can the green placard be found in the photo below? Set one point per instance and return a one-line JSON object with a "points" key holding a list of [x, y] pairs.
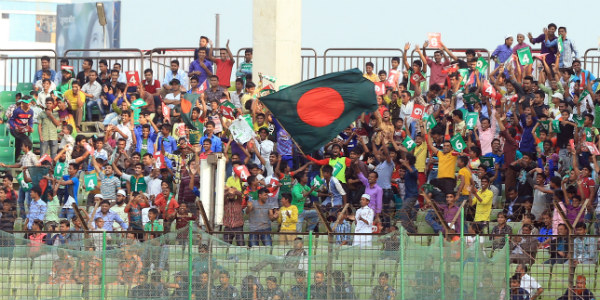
{"points": [[543, 125], [578, 119], [409, 144], [471, 120], [556, 126], [482, 65], [464, 73], [25, 186], [487, 162], [589, 135], [471, 98], [560, 44], [430, 121], [525, 57], [136, 115], [458, 143], [597, 116], [90, 181]]}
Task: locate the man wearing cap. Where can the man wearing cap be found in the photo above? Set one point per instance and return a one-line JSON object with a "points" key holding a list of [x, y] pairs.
{"points": [[364, 222], [66, 79], [119, 207], [21, 123], [503, 52], [557, 100]]}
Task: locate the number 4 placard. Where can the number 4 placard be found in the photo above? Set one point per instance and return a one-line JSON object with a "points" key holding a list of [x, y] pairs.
{"points": [[435, 39], [133, 78], [525, 57], [471, 120]]}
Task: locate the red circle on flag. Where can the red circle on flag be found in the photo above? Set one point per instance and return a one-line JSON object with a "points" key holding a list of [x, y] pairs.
{"points": [[320, 106]]}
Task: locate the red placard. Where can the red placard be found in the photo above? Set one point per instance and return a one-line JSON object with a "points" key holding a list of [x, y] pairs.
{"points": [[379, 88], [159, 160], [392, 80], [592, 147], [488, 90], [133, 78], [242, 172], [435, 39], [416, 78], [418, 111], [166, 112]]}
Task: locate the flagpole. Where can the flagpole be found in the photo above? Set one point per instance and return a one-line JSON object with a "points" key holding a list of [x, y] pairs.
{"points": [[293, 140]]}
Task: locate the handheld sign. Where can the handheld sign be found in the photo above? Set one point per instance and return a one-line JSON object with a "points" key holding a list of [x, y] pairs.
{"points": [[592, 148], [90, 181], [409, 144], [435, 39], [418, 111], [379, 88], [242, 172], [525, 57], [471, 120], [487, 162], [458, 143], [482, 65], [133, 78]]}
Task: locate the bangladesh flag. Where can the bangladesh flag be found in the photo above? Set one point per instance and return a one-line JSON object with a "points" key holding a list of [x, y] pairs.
{"points": [[315, 111], [228, 110], [188, 102]]}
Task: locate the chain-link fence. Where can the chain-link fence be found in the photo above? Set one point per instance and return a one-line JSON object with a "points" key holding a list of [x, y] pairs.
{"points": [[192, 264]]}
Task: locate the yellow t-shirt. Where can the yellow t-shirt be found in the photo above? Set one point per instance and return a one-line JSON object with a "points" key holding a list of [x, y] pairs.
{"points": [[421, 155], [233, 182], [288, 223], [466, 174], [446, 165], [72, 99], [373, 77], [484, 208]]}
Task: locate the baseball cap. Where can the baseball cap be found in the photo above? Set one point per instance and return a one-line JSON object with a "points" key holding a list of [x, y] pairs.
{"points": [[99, 196], [558, 95], [121, 192], [366, 196]]}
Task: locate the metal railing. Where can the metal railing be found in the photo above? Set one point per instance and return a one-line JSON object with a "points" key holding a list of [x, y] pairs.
{"points": [[131, 59], [20, 65]]}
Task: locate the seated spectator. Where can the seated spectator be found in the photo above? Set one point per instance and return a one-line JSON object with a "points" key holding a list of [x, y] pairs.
{"points": [[251, 288], [225, 290], [524, 249], [62, 269], [134, 209], [216, 144], [89, 268], [318, 289], [153, 290], [174, 73], [559, 246], [294, 259], [516, 291], [83, 76], [483, 200], [45, 61], [21, 124], [48, 125], [36, 239], [273, 291], [500, 230], [585, 249], [298, 290], [383, 291], [215, 91], [45, 85], [528, 283], [202, 263], [449, 212], [130, 269], [92, 90], [580, 291], [75, 98]]}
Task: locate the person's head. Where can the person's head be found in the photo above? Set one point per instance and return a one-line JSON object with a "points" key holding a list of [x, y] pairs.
{"points": [[248, 55], [327, 170], [114, 75], [210, 127], [562, 229], [515, 282], [580, 228], [7, 181], [117, 66], [72, 169], [364, 200], [263, 194], [576, 66], [462, 161], [417, 65], [383, 278], [153, 214], [551, 29], [450, 199], [174, 65], [271, 282], [37, 225], [447, 147], [300, 277], [104, 206], [224, 277], [319, 277], [508, 40], [6, 206], [501, 217], [87, 64], [214, 81], [35, 193], [286, 199], [201, 53], [580, 284], [64, 225], [369, 67], [165, 188]]}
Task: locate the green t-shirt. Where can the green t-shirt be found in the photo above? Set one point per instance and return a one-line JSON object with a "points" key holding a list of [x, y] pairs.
{"points": [[153, 226]]}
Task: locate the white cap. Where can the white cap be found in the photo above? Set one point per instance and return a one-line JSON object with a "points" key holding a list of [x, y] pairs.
{"points": [[122, 193], [366, 196], [99, 196], [558, 95], [507, 36]]}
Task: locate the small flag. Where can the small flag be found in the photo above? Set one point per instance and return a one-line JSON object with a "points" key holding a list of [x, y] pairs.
{"points": [[556, 126], [203, 87], [450, 69], [541, 57], [228, 110], [560, 44], [267, 90], [430, 121], [471, 98]]}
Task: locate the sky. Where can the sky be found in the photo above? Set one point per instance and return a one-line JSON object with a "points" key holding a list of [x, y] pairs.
{"points": [[326, 24]]}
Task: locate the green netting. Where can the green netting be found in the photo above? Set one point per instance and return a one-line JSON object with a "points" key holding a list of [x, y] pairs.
{"points": [[166, 267]]}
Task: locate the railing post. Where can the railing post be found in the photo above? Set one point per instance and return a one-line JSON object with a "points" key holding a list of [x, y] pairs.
{"points": [[190, 240], [507, 253], [442, 285], [401, 253], [476, 266], [462, 251], [308, 277], [103, 278]]}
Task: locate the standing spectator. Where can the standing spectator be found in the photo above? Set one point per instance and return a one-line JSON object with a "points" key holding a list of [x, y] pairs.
{"points": [[29, 159], [224, 66], [21, 123], [245, 68], [503, 52], [134, 210], [364, 218], [92, 90], [109, 217], [500, 231], [569, 51], [527, 282], [301, 193], [45, 61], [37, 208], [372, 189], [288, 218], [547, 36], [117, 67], [436, 65], [369, 74], [48, 125], [71, 183], [445, 180], [201, 67], [483, 201], [260, 214]]}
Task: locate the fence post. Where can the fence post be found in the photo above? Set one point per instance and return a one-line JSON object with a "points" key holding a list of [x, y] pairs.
{"points": [[442, 285], [401, 253], [103, 278], [190, 240], [462, 250], [308, 277], [476, 266], [507, 252]]}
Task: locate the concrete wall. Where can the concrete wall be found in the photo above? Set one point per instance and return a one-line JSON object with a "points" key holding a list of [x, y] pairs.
{"points": [[277, 33]]}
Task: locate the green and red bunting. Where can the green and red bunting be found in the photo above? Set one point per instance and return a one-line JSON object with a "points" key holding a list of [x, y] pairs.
{"points": [[228, 110], [188, 102], [315, 111]]}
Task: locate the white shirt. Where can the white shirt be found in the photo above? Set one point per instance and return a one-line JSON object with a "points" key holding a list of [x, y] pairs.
{"points": [[529, 284], [264, 149], [368, 214], [153, 186], [125, 129]]}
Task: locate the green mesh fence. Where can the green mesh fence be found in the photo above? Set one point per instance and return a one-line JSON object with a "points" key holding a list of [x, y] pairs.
{"points": [[395, 266]]}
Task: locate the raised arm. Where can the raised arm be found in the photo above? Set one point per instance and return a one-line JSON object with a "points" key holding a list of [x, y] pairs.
{"points": [[448, 51], [404, 59]]}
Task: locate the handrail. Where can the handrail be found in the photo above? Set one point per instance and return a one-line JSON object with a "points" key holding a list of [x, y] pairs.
{"points": [[325, 57], [8, 75]]}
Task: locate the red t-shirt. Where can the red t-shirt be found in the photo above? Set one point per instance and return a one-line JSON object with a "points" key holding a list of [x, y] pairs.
{"points": [[152, 87], [224, 71]]}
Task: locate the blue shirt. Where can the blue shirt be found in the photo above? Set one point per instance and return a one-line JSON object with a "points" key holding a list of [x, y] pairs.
{"points": [[109, 218], [497, 160], [217, 145], [503, 52], [411, 183], [384, 171], [37, 211], [72, 188], [195, 66], [170, 144], [140, 139], [181, 76], [38, 76]]}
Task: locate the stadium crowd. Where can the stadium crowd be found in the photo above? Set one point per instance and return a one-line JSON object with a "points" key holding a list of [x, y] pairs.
{"points": [[522, 141]]}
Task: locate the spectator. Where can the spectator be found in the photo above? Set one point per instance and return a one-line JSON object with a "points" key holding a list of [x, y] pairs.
{"points": [[225, 290], [37, 208], [503, 52], [559, 247], [92, 90], [288, 218], [580, 291], [549, 36], [83, 76], [273, 291], [21, 123], [109, 217], [260, 214], [524, 249], [585, 249], [130, 269], [48, 125], [483, 201], [175, 73], [500, 231], [201, 67], [318, 289], [245, 68], [62, 269], [75, 98], [45, 61], [528, 283], [298, 291], [449, 212], [516, 291], [364, 218], [383, 291], [301, 193]]}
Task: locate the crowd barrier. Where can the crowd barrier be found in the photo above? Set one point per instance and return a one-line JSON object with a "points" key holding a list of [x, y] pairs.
{"points": [[19, 65], [191, 264]]}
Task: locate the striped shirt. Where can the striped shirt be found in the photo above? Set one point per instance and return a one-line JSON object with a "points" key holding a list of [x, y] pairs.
{"points": [[109, 186]]}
